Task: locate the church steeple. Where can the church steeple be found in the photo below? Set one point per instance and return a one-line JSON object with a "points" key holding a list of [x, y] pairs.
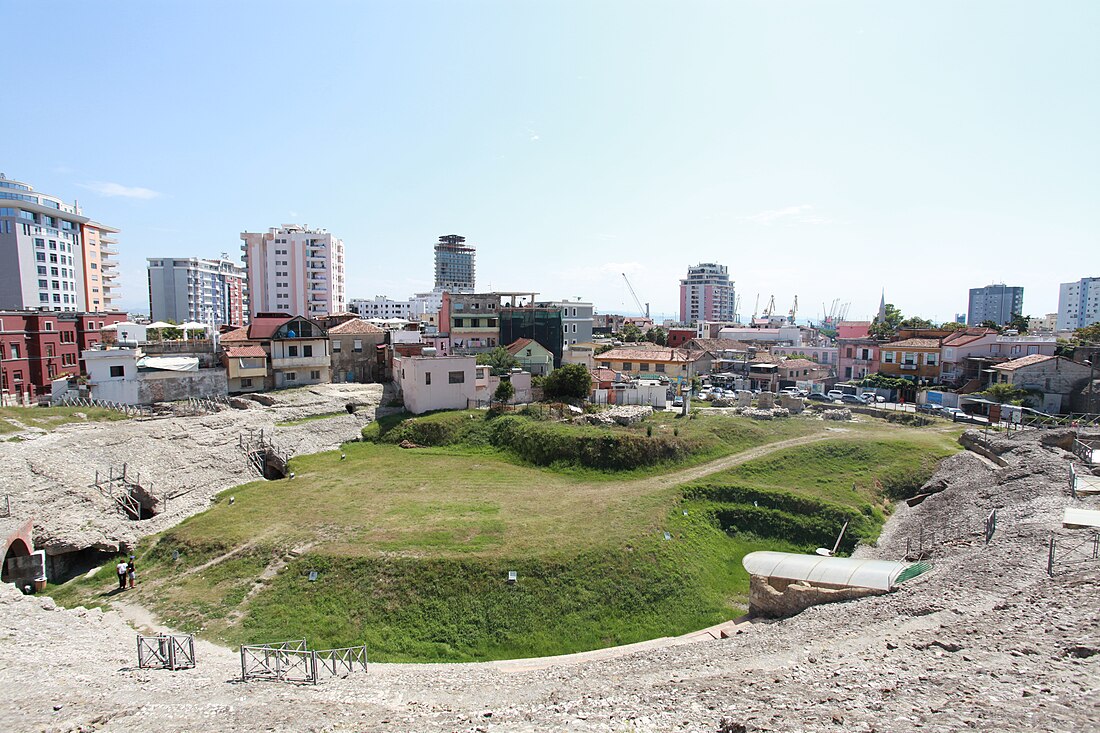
{"points": [[881, 317]]}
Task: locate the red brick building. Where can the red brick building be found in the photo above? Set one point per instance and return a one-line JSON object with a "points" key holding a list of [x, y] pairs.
{"points": [[37, 347]]}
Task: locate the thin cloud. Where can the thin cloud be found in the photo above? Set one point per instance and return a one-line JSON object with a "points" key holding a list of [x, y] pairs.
{"points": [[113, 190], [532, 135], [800, 214]]}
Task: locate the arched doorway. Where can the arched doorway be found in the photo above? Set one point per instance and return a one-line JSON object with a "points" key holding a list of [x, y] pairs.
{"points": [[18, 548]]}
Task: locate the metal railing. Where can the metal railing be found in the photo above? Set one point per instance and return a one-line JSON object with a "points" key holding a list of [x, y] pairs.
{"points": [[1066, 554], [1086, 450], [166, 651], [130, 410], [293, 661], [1081, 482]]}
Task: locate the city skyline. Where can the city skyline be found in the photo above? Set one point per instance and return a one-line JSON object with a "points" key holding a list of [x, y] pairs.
{"points": [[567, 171]]}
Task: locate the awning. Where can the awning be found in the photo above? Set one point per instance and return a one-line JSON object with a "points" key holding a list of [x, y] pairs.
{"points": [[842, 571], [169, 363]]}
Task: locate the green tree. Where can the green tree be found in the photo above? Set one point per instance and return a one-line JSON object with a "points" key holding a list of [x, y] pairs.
{"points": [[1019, 322], [886, 329], [1088, 334], [916, 322], [499, 359], [657, 335], [989, 323], [504, 392], [569, 381], [1005, 393], [631, 333], [952, 326]]}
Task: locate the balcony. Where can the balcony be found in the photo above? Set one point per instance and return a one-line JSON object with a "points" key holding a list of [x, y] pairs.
{"points": [[300, 362]]}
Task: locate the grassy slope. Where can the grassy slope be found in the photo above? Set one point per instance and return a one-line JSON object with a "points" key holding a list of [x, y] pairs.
{"points": [[48, 418], [413, 546]]}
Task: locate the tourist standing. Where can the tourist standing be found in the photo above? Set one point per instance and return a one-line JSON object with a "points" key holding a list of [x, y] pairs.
{"points": [[121, 570], [130, 571]]}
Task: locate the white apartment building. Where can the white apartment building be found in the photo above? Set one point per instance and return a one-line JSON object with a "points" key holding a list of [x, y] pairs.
{"points": [[194, 289], [1078, 304], [294, 269], [45, 260], [432, 382], [707, 294], [383, 307]]}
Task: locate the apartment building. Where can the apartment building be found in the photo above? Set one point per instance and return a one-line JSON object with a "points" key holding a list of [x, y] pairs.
{"points": [[577, 319], [653, 362], [1078, 304], [912, 358], [996, 303], [294, 269], [455, 265], [194, 289], [707, 294], [52, 257], [37, 347], [382, 307], [429, 382]]}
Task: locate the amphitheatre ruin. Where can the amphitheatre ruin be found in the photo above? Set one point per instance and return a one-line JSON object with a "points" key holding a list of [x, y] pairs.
{"points": [[323, 515]]}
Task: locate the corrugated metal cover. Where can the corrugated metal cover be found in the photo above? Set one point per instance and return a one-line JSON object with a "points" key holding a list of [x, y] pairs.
{"points": [[1081, 517], [844, 571]]}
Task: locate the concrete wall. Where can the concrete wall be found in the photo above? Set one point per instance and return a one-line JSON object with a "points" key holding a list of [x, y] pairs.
{"points": [[425, 382], [167, 386]]}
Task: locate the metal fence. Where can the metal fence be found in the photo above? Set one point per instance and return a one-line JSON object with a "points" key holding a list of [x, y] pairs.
{"points": [[1087, 450], [1066, 554], [1081, 482], [293, 661], [933, 534], [166, 651], [131, 410]]}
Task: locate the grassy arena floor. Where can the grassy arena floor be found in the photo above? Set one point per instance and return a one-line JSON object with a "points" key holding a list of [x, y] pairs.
{"points": [[412, 546]]}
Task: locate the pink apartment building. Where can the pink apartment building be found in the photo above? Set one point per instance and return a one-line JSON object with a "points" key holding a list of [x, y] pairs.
{"points": [[706, 294], [295, 269]]}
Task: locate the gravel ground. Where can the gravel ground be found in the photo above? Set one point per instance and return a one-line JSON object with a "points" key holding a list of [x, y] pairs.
{"points": [[985, 641], [50, 476]]}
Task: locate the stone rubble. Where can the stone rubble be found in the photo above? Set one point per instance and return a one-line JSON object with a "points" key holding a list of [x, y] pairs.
{"points": [[984, 641]]}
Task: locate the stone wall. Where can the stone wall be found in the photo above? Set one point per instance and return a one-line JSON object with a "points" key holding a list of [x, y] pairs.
{"points": [[780, 598], [172, 386]]}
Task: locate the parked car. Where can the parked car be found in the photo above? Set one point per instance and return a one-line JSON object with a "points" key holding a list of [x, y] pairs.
{"points": [[678, 401], [851, 399], [952, 413], [819, 397], [871, 397], [929, 408], [835, 394]]}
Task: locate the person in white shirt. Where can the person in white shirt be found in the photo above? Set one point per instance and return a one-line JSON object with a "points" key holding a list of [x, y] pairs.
{"points": [[121, 570]]}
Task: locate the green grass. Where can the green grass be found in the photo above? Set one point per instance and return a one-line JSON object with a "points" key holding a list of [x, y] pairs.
{"points": [[48, 418], [309, 418], [657, 445], [413, 547]]}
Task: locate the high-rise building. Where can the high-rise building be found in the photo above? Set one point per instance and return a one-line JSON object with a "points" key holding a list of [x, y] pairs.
{"points": [[576, 320], [194, 289], [707, 294], [454, 264], [997, 303], [52, 257], [1078, 304], [296, 270]]}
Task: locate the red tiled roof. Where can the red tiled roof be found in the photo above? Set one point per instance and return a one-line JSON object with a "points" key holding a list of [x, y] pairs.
{"points": [[354, 326], [237, 334], [265, 327], [1023, 361], [800, 364], [518, 345], [713, 345], [913, 344], [251, 350], [967, 335], [660, 353]]}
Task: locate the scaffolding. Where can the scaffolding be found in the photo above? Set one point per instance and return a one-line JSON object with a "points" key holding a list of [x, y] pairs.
{"points": [[166, 651], [294, 661], [262, 454]]}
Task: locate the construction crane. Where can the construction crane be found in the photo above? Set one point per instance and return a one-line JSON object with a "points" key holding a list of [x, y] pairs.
{"points": [[756, 308], [737, 309], [794, 309], [637, 301], [771, 307]]}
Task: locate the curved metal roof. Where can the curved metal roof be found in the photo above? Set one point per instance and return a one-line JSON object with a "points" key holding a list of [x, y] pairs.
{"points": [[846, 571]]}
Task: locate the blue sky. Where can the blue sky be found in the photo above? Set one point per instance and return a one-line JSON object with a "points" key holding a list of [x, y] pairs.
{"points": [[821, 149]]}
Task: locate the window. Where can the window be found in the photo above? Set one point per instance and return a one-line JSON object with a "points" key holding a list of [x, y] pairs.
{"points": [[292, 351], [246, 382], [574, 328], [40, 256], [307, 350], [49, 325], [315, 374], [117, 371], [291, 377], [43, 283], [427, 378], [888, 357], [660, 368], [53, 259], [643, 367], [357, 345], [336, 345], [15, 351], [17, 376], [627, 366], [40, 243], [41, 269], [931, 359], [456, 377]]}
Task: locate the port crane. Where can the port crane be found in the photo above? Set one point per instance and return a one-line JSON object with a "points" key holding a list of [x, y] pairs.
{"points": [[637, 300]]}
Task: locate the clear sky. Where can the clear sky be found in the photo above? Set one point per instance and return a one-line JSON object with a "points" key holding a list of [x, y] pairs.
{"points": [[824, 149]]}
